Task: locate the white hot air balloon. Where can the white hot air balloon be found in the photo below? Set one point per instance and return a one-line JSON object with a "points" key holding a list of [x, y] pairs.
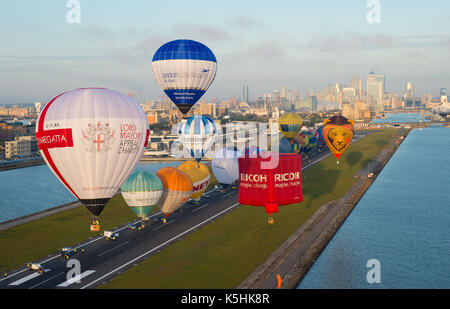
{"points": [[92, 139], [225, 166]]}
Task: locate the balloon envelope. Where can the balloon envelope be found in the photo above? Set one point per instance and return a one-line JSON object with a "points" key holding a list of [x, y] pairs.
{"points": [[199, 175], [290, 124], [289, 145], [142, 191], [280, 184], [92, 139], [312, 141], [197, 134], [177, 189], [225, 165], [184, 69], [338, 133]]}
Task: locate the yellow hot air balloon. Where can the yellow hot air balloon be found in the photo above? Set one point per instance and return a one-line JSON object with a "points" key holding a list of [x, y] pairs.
{"points": [[290, 124], [338, 133], [177, 189], [199, 175]]}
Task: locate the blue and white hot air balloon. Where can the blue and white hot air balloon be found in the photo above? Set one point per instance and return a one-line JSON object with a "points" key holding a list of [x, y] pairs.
{"points": [[184, 69], [197, 134]]}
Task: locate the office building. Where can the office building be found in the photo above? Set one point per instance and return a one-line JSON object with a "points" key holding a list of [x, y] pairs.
{"points": [[375, 89]]}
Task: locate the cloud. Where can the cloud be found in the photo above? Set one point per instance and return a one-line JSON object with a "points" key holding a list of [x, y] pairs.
{"points": [[349, 41], [201, 32], [95, 33], [247, 22]]}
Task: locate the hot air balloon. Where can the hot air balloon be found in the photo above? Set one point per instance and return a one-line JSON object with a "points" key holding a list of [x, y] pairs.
{"points": [[142, 191], [303, 140], [280, 184], [225, 166], [177, 189], [338, 133], [92, 139], [199, 175], [318, 133], [290, 124], [289, 145], [252, 151], [184, 69], [312, 142], [197, 134]]}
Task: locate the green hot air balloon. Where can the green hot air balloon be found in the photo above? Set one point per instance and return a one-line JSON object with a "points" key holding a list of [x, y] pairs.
{"points": [[142, 191]]}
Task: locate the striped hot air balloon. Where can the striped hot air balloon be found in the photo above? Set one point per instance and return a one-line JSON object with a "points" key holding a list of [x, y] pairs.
{"points": [[177, 189], [184, 69], [142, 191], [290, 124], [199, 175], [197, 134]]}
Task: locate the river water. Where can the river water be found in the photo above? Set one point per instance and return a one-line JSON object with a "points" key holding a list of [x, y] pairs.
{"points": [[403, 221], [28, 190]]}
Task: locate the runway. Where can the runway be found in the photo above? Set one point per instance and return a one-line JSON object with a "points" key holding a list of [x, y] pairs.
{"points": [[104, 259]]}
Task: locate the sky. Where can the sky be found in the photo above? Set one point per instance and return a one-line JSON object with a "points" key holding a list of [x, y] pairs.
{"points": [[267, 45]]}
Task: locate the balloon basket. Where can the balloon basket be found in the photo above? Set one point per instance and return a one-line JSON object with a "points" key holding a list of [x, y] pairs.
{"points": [[95, 228], [164, 220], [271, 220], [337, 162]]}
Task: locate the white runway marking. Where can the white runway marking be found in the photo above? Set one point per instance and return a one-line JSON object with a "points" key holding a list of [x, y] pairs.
{"points": [[27, 278], [163, 225], [197, 208], [45, 281], [157, 247], [114, 248], [76, 278]]}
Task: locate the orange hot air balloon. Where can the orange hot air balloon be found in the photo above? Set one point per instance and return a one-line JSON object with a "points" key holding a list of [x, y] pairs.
{"points": [[177, 189], [338, 133]]}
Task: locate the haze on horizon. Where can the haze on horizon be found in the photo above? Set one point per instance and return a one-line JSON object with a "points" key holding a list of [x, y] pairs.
{"points": [[267, 45]]}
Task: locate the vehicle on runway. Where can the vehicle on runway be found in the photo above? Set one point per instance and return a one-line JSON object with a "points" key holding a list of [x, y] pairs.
{"points": [[67, 252], [110, 235], [36, 267]]}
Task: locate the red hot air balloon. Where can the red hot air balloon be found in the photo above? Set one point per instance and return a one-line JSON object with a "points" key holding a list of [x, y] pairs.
{"points": [[278, 185]]}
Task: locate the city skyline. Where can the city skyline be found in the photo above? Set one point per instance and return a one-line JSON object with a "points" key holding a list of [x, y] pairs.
{"points": [[259, 44]]}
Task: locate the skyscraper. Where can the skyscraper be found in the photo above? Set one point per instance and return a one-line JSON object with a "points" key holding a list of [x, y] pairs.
{"points": [[409, 93], [349, 95], [245, 96], [375, 88], [356, 84]]}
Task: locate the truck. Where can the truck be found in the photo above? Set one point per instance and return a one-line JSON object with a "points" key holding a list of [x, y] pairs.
{"points": [[67, 252], [36, 267], [110, 235]]}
